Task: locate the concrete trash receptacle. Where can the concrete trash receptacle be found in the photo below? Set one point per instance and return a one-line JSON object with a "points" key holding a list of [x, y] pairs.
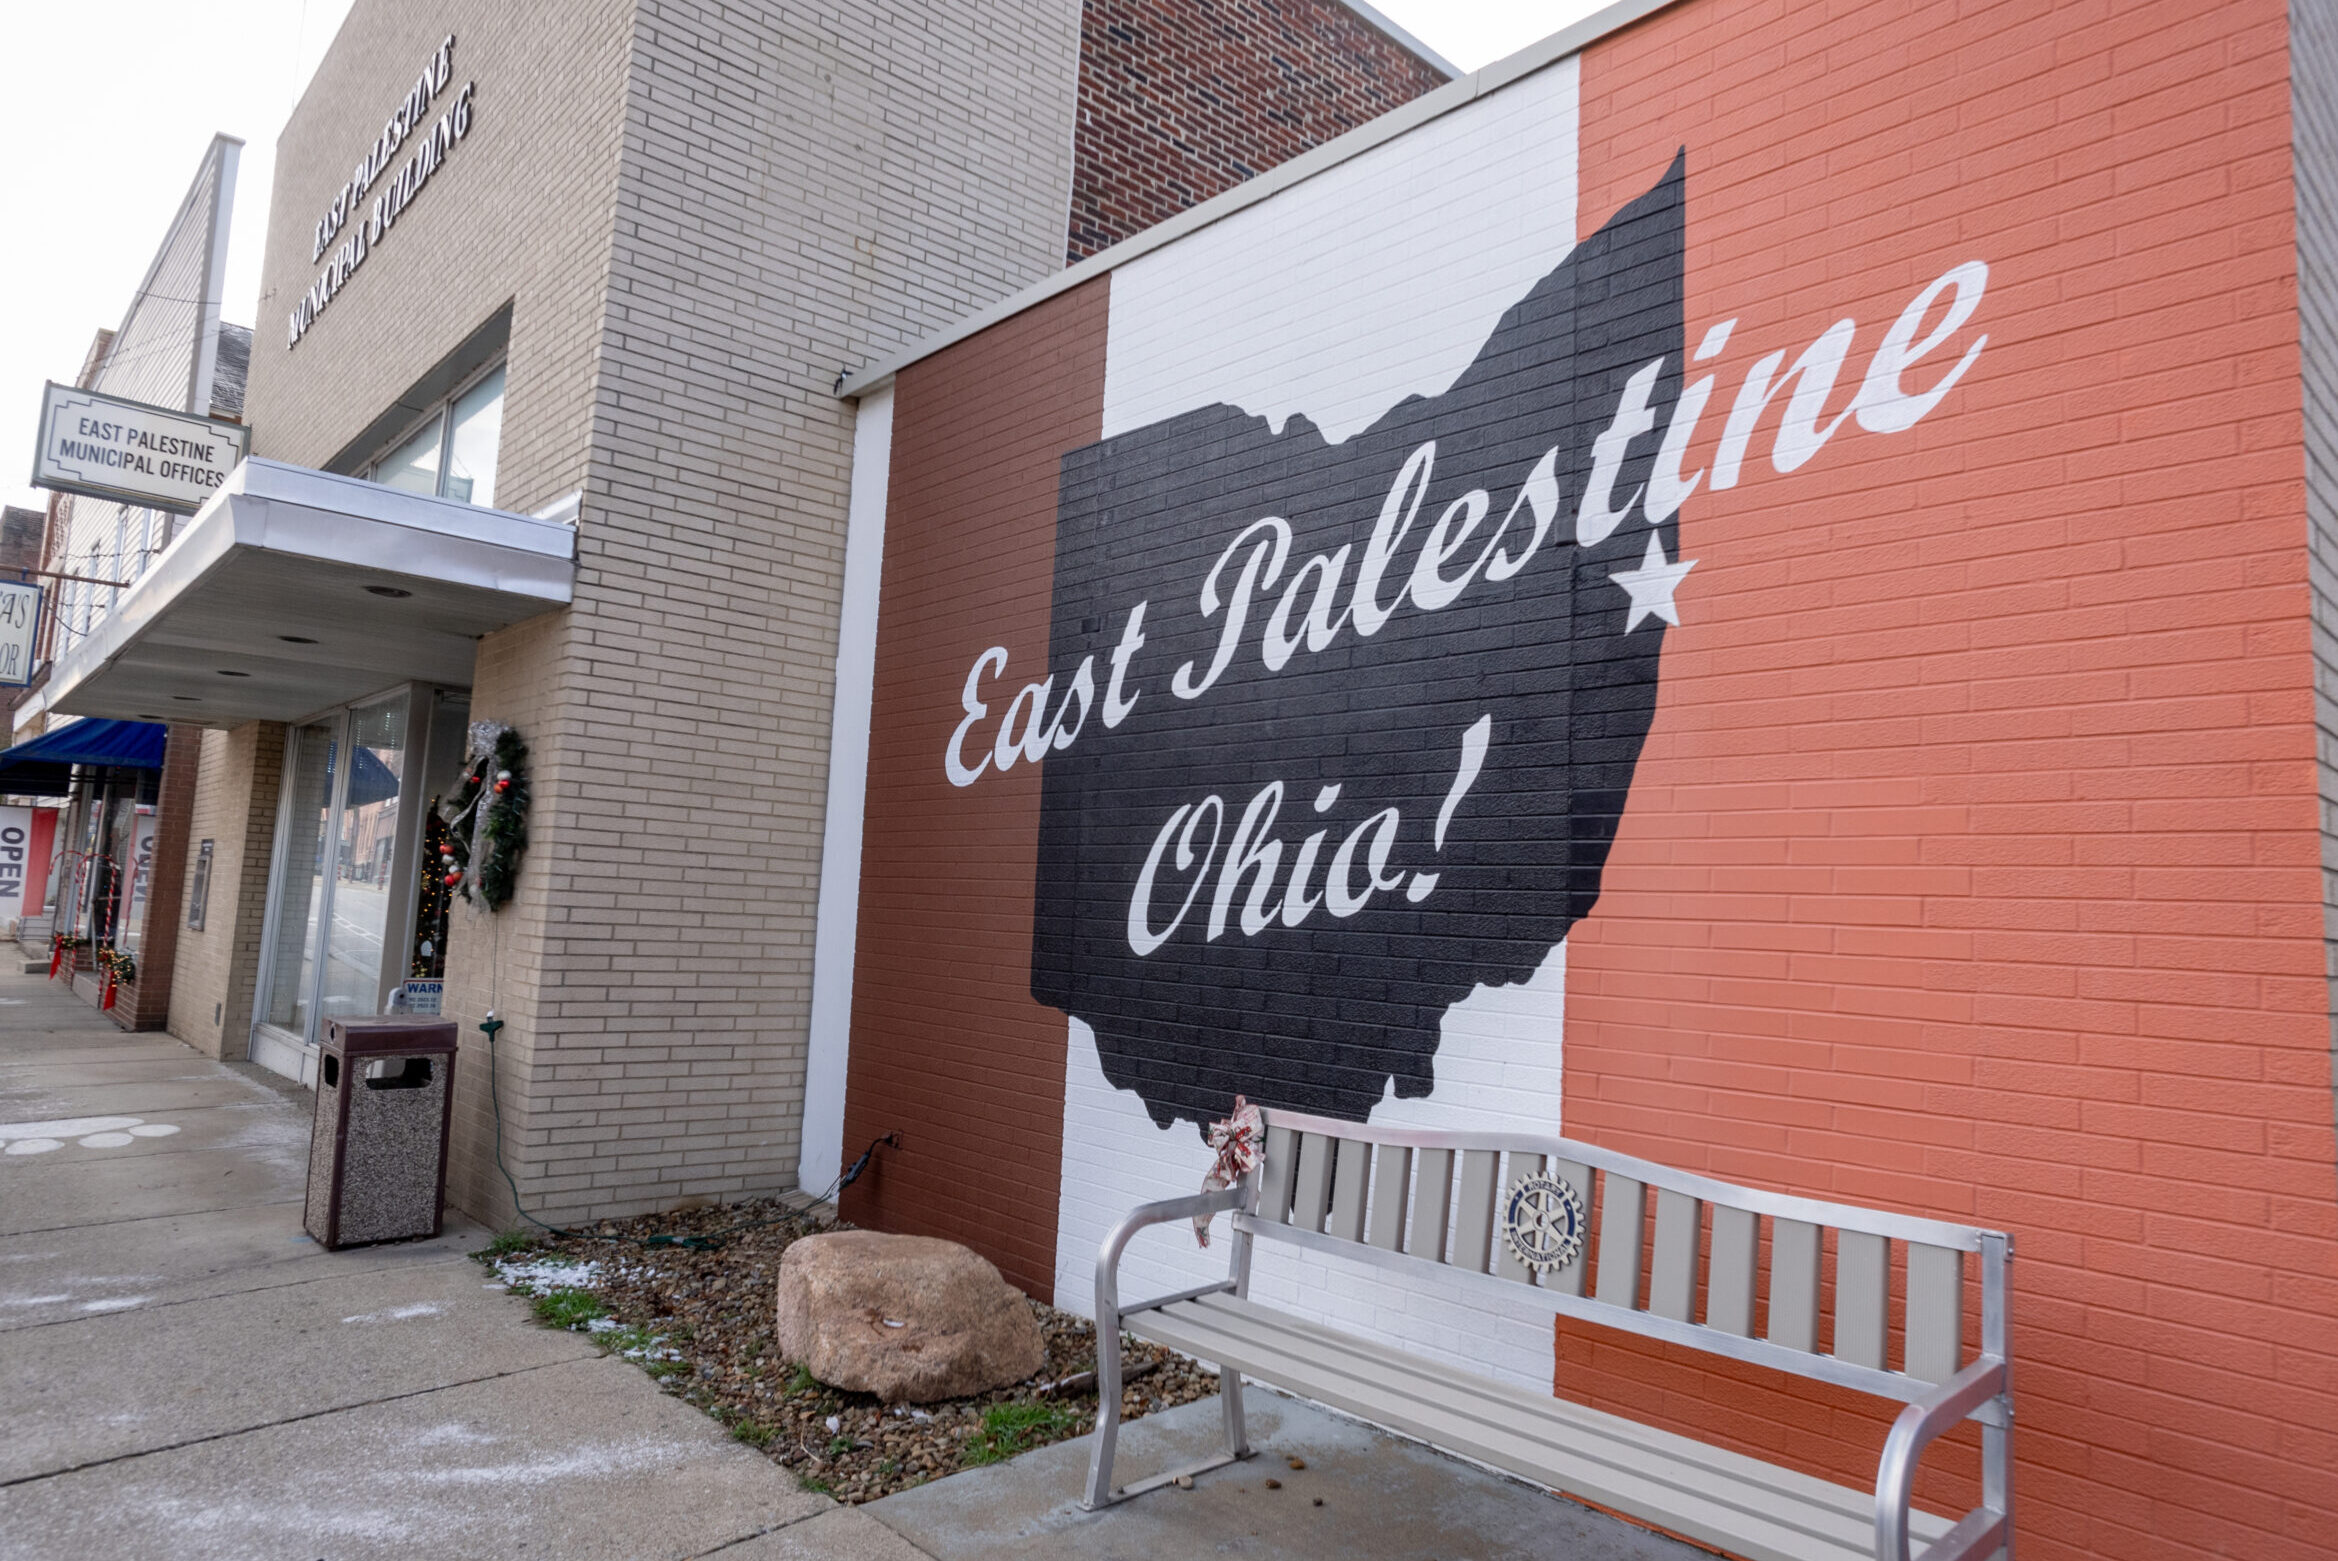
{"points": [[377, 1153]]}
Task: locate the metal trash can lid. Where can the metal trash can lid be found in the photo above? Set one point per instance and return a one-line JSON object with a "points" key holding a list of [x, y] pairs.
{"points": [[404, 1035]]}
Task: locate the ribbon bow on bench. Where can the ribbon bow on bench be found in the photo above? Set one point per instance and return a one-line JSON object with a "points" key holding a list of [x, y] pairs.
{"points": [[1239, 1141]]}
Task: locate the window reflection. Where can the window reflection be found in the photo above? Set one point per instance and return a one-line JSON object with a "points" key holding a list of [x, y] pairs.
{"points": [[413, 466], [453, 455], [363, 858], [475, 427]]}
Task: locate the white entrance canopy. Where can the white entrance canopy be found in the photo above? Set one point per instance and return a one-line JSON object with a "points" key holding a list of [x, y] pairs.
{"points": [[293, 590]]}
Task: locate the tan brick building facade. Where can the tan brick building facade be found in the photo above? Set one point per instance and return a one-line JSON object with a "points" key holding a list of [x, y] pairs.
{"points": [[674, 226]]}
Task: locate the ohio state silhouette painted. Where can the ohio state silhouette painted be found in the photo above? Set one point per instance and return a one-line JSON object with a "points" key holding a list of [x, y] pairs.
{"points": [[1355, 722]]}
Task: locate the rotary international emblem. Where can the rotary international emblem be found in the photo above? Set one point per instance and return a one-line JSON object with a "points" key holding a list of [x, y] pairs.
{"points": [[1542, 1222]]}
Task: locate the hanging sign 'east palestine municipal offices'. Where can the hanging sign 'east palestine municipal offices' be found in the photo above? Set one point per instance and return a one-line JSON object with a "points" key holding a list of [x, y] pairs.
{"points": [[128, 451]]}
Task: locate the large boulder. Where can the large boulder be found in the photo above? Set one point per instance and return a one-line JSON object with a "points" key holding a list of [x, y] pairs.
{"points": [[909, 1318]]}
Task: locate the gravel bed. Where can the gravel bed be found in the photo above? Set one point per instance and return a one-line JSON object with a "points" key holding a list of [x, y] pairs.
{"points": [[701, 1321]]}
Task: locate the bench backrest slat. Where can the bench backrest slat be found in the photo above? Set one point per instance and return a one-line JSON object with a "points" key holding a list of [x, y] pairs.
{"points": [[1274, 1184], [1311, 1187], [1424, 1235], [1623, 1214], [1391, 1173], [1729, 1286], [1443, 1198], [1794, 1248], [1351, 1183], [1570, 1279], [1672, 1276], [1862, 1297], [1936, 1301], [1506, 1264], [1473, 1211]]}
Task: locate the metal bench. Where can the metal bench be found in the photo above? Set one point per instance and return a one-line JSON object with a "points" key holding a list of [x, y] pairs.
{"points": [[1428, 1202]]}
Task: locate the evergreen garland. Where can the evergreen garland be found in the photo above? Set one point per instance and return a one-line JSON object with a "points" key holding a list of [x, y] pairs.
{"points": [[488, 820]]}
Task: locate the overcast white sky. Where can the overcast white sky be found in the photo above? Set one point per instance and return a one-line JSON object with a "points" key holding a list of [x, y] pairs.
{"points": [[118, 99]]}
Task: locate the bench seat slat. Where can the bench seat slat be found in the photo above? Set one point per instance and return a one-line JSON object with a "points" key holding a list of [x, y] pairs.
{"points": [[1715, 1497], [1460, 1392]]}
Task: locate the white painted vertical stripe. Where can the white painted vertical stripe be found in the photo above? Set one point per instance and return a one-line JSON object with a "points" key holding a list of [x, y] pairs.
{"points": [[820, 1156], [1375, 280]]}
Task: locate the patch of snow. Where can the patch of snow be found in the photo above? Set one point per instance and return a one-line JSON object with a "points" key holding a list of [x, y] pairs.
{"points": [[549, 1273], [398, 1314]]}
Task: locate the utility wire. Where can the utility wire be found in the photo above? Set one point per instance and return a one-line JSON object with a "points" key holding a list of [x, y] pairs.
{"points": [[702, 1243]]}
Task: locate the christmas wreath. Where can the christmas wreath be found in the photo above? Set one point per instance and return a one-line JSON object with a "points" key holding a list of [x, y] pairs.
{"points": [[487, 822], [117, 963]]}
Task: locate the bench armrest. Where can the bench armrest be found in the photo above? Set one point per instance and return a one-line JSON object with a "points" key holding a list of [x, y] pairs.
{"points": [[1108, 1255], [1943, 1409]]}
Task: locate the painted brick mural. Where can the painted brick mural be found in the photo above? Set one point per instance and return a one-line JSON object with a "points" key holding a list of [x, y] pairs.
{"points": [[1741, 596]]}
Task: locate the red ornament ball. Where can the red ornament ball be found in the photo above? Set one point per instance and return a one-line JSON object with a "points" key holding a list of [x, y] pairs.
{"points": [[453, 878]]}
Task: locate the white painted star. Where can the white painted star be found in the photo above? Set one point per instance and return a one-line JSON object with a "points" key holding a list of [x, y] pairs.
{"points": [[1652, 585]]}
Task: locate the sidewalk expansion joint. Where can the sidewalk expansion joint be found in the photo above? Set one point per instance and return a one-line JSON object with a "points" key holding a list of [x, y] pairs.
{"points": [[417, 1267], [175, 1214], [270, 1425]]}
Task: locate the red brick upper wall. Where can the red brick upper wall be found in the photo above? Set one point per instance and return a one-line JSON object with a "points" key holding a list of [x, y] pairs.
{"points": [[1183, 99]]}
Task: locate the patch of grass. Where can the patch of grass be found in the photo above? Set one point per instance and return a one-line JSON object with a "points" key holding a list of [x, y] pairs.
{"points": [[813, 1482], [838, 1446], [1008, 1429], [803, 1381], [754, 1433], [570, 1309], [510, 1243]]}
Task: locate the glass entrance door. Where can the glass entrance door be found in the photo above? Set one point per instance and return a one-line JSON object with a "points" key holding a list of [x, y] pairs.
{"points": [[341, 896]]}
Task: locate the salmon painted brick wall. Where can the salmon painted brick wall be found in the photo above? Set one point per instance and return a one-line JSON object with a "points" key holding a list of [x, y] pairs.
{"points": [[1973, 865]]}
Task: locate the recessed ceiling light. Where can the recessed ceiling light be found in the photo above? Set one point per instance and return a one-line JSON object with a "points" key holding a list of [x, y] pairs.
{"points": [[296, 639], [229, 672], [391, 591]]}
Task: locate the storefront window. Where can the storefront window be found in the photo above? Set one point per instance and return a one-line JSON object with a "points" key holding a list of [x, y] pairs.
{"points": [[343, 920], [300, 892], [453, 454], [364, 856]]}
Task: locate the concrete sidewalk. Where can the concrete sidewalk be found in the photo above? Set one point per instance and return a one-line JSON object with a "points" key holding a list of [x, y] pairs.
{"points": [[185, 1374]]}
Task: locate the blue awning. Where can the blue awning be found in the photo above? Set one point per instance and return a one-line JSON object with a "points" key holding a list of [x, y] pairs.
{"points": [[129, 745]]}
